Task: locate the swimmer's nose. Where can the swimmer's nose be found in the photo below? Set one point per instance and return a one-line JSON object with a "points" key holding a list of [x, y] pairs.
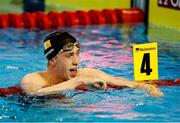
{"points": [[76, 61]]}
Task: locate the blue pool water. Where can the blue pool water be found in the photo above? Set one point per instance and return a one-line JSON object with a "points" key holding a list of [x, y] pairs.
{"points": [[108, 48]]}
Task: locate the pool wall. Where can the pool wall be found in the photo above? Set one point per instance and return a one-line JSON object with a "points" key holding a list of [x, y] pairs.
{"points": [[163, 14]]}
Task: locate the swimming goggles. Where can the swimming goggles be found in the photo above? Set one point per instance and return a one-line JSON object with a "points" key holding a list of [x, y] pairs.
{"points": [[70, 46]]}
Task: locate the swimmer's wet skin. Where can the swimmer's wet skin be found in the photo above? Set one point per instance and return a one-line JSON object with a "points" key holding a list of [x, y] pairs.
{"points": [[62, 52]]}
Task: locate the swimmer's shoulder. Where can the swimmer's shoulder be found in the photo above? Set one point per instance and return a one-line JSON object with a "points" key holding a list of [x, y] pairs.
{"points": [[33, 81], [34, 76]]}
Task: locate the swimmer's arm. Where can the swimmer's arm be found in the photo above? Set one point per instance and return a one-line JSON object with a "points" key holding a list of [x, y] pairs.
{"points": [[31, 88], [70, 84], [153, 91], [116, 80], [150, 89]]}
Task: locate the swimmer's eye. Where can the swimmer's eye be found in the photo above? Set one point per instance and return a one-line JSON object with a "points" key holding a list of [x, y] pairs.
{"points": [[77, 52], [69, 55]]}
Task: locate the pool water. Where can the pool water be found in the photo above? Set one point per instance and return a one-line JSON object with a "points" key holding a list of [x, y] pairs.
{"points": [[108, 48]]}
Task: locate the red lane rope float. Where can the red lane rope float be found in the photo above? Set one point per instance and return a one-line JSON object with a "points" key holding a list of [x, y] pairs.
{"points": [[4, 21], [175, 82], [118, 13], [10, 90], [56, 19], [17, 89], [29, 20], [129, 15], [83, 17], [15, 20], [132, 16], [42, 20], [70, 18], [96, 17], [67, 18], [110, 16]]}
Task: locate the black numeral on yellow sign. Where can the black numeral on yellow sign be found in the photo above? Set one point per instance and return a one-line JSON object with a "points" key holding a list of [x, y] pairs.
{"points": [[145, 66]]}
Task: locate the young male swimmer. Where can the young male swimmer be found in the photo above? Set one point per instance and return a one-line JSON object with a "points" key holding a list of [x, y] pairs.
{"points": [[62, 51]]}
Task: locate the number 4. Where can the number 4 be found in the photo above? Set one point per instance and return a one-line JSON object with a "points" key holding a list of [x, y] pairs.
{"points": [[145, 66]]}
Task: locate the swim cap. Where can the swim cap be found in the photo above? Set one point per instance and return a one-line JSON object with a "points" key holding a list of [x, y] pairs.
{"points": [[55, 41]]}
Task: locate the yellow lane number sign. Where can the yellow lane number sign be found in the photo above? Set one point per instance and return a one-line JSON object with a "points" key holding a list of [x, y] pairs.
{"points": [[145, 61]]}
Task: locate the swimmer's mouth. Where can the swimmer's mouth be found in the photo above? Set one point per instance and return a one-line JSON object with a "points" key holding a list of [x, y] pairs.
{"points": [[73, 70]]}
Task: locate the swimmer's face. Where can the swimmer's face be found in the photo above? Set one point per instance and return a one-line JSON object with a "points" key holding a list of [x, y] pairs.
{"points": [[67, 63]]}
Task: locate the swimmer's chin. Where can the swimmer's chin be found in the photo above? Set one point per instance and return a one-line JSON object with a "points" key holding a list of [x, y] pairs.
{"points": [[71, 77]]}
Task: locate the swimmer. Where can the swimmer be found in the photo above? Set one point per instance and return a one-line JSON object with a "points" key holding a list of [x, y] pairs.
{"points": [[62, 52]]}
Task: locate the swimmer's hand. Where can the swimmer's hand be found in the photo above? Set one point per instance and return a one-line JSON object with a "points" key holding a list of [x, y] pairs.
{"points": [[100, 84], [152, 90]]}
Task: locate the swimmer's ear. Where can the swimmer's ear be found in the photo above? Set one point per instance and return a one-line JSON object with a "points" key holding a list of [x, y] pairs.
{"points": [[52, 61]]}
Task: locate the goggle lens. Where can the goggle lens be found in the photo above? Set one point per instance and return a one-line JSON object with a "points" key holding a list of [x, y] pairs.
{"points": [[70, 46]]}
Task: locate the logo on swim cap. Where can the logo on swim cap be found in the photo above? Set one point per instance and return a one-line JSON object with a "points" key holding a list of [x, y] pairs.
{"points": [[47, 44]]}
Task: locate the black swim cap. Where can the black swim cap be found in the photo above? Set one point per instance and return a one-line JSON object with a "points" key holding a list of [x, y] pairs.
{"points": [[55, 41]]}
